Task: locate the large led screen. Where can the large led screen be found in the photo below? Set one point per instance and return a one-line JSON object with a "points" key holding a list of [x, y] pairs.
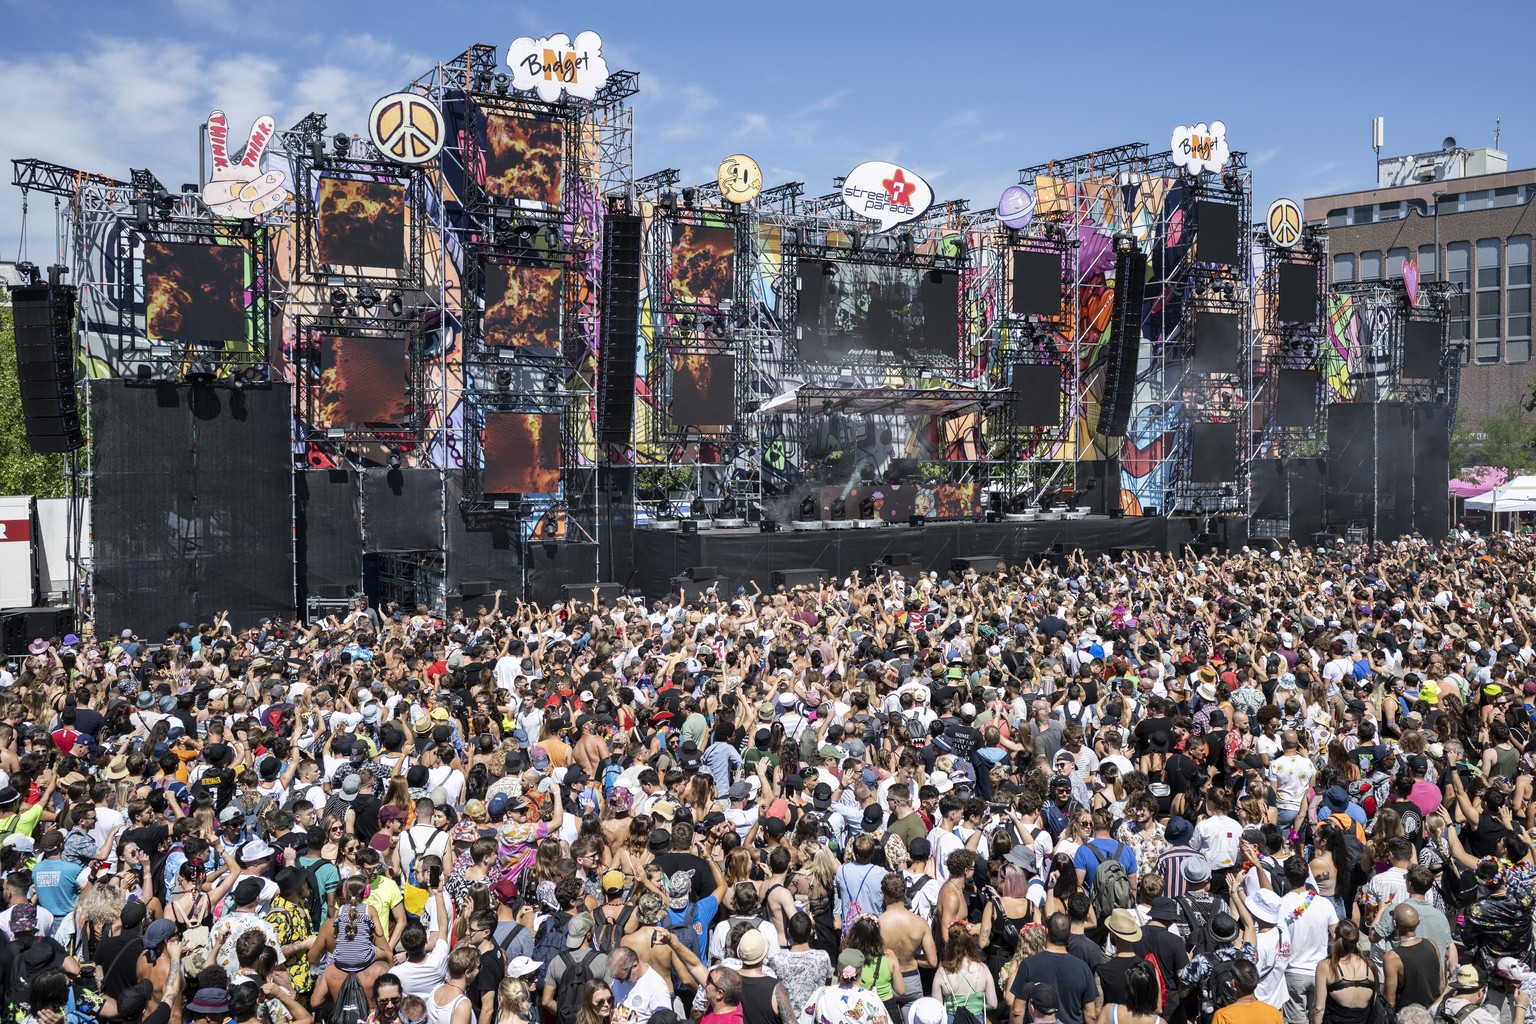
{"points": [[195, 292], [363, 381], [703, 390], [524, 157], [701, 263], [877, 314], [522, 306], [521, 453], [361, 223]]}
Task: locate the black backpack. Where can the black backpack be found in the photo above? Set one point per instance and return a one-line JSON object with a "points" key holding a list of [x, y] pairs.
{"points": [[576, 973], [915, 886], [316, 903], [549, 944], [1219, 988], [607, 931], [1200, 939], [351, 1003]]}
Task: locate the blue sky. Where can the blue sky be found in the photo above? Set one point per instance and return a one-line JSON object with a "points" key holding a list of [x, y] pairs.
{"points": [[963, 93]]}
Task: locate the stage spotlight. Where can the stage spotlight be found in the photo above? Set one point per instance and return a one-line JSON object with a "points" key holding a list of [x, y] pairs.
{"points": [[502, 81], [236, 384], [1018, 503], [839, 509], [483, 81], [727, 506], [503, 380], [394, 460], [808, 510], [166, 203], [690, 196], [396, 305], [551, 382], [342, 143], [867, 507], [666, 203], [338, 300], [367, 297], [828, 269]]}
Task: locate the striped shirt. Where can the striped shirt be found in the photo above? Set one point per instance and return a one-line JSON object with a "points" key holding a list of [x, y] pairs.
{"points": [[1170, 867]]}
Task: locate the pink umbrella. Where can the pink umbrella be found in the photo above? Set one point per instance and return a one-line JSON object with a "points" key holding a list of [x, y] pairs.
{"points": [[1476, 480]]}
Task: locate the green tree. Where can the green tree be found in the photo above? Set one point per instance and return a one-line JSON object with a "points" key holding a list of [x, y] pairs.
{"points": [[1506, 440], [21, 470]]}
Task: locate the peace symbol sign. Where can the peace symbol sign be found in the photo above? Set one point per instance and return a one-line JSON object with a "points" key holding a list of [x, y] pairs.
{"points": [[1284, 222], [407, 128]]}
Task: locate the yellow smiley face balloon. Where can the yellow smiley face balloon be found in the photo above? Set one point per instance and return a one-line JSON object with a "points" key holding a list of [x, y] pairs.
{"points": [[740, 179]]}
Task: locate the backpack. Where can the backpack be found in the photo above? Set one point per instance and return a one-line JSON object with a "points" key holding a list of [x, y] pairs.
{"points": [[316, 903], [688, 929], [253, 806], [1219, 988], [854, 909], [505, 945], [1162, 979], [1111, 885], [548, 944], [606, 931], [915, 886], [568, 989], [1442, 1016], [1200, 940], [351, 1003]]}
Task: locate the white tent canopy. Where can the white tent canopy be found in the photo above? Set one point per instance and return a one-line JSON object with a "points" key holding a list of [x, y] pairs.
{"points": [[1518, 495]]}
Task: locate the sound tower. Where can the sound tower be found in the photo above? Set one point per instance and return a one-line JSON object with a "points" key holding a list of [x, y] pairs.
{"points": [[44, 316], [1124, 339], [621, 323]]}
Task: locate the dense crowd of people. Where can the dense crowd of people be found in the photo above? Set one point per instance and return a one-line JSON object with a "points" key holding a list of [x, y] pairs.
{"points": [[1272, 785]]}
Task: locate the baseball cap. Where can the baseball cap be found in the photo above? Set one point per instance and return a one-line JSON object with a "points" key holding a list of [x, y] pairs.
{"points": [[1469, 977], [613, 881]]}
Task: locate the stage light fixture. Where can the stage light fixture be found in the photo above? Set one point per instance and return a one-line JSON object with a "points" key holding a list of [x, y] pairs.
{"points": [[690, 197], [839, 509], [342, 143], [828, 269], [666, 203], [396, 305], [27, 273], [367, 297], [727, 506], [551, 382], [867, 507], [338, 299], [808, 511], [858, 240], [394, 460], [1124, 243], [483, 80], [165, 203], [236, 384], [317, 151], [502, 81]]}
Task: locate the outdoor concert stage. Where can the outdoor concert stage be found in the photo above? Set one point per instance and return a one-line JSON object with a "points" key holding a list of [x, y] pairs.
{"points": [[743, 555]]}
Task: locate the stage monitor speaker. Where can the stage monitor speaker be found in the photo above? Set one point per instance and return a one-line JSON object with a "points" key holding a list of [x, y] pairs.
{"points": [[1421, 350], [1124, 341], [984, 565], [622, 237], [1218, 342], [1297, 302], [1036, 395], [44, 318], [895, 559], [1036, 284], [1213, 449], [20, 626], [471, 589], [701, 572], [791, 578], [1216, 232], [1296, 399], [609, 592]]}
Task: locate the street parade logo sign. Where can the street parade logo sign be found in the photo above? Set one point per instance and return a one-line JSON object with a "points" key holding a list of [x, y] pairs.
{"points": [[886, 193]]}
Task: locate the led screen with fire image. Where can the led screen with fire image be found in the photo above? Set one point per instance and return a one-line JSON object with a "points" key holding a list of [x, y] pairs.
{"points": [[361, 223], [195, 292], [703, 390], [524, 157], [521, 453], [363, 381], [701, 263], [522, 306]]}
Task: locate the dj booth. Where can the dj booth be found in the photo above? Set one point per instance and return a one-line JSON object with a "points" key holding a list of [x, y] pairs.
{"points": [[667, 559]]}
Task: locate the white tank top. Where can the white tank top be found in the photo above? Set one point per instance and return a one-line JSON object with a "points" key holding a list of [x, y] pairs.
{"points": [[443, 1014]]}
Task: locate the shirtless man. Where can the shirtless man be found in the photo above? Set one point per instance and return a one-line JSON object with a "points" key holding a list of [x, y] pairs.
{"points": [[952, 904], [777, 904], [656, 947], [591, 749], [908, 936]]}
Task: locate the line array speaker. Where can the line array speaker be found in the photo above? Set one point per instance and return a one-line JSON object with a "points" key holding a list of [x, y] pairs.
{"points": [[621, 324], [1124, 340], [45, 366]]}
